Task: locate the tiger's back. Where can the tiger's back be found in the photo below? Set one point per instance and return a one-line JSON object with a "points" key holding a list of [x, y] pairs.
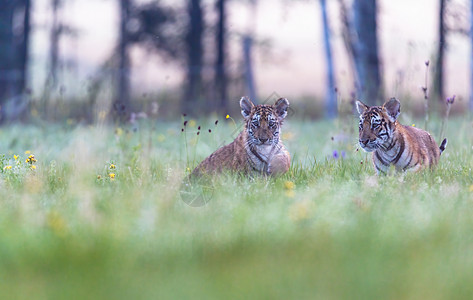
{"points": [[405, 147], [422, 144]]}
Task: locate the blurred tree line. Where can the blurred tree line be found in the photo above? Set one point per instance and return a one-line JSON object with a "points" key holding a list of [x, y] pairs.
{"points": [[176, 32], [180, 33]]}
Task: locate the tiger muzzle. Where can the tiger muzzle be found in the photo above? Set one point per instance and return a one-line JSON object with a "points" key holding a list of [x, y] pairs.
{"points": [[367, 144], [263, 140]]}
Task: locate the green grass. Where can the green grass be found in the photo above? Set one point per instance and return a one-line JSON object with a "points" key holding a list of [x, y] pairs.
{"points": [[327, 229]]}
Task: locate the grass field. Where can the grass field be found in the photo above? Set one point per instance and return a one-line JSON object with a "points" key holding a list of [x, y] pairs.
{"points": [[327, 229]]}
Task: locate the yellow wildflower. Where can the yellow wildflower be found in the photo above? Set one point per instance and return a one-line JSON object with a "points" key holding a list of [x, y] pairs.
{"points": [[33, 167], [7, 168], [31, 159], [227, 117], [413, 125], [99, 177], [111, 175], [15, 157], [112, 166], [27, 152], [289, 185]]}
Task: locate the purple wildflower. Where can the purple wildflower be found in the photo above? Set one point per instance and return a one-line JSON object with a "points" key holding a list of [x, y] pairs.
{"points": [[335, 154], [450, 100]]}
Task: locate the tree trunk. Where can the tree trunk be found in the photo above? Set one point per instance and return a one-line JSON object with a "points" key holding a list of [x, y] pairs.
{"points": [[23, 48], [366, 52], [331, 97], [13, 57], [122, 102], [439, 65], [220, 74], [248, 67], [349, 41], [7, 51], [54, 37], [195, 52]]}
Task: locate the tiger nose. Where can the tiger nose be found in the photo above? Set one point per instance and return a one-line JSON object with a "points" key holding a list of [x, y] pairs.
{"points": [[263, 140], [364, 141]]}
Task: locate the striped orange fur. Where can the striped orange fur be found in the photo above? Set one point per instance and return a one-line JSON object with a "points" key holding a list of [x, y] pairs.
{"points": [[258, 148], [405, 147]]}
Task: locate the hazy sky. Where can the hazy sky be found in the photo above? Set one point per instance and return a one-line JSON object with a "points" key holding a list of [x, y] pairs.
{"points": [[295, 63]]}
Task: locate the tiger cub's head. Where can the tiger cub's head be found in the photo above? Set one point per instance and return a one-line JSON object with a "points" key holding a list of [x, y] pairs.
{"points": [[377, 123], [263, 122]]}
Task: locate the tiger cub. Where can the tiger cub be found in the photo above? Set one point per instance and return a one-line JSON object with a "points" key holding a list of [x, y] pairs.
{"points": [[405, 147], [258, 148]]}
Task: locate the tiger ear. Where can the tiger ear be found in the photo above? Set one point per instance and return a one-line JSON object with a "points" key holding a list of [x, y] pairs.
{"points": [[246, 106], [393, 108], [361, 107], [281, 107]]}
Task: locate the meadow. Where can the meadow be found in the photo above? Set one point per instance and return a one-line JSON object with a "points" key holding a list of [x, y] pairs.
{"points": [[96, 212]]}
